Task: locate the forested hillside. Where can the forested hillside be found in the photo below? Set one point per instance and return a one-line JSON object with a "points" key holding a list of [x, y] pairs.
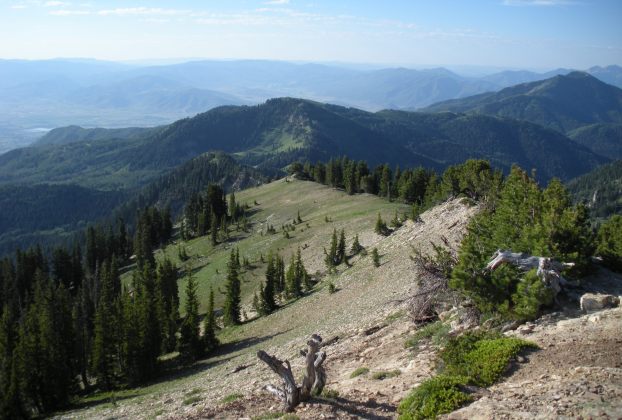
{"points": [[563, 103], [600, 189], [276, 133]]}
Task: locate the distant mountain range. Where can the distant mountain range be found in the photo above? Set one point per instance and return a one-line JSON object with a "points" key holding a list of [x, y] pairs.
{"points": [[53, 93], [536, 125]]}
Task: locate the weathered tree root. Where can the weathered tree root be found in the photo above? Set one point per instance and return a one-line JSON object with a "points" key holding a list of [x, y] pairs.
{"points": [[547, 269], [313, 382]]}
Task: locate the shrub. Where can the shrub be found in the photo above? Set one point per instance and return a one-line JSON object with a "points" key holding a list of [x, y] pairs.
{"points": [[330, 393], [437, 331], [331, 288], [610, 243], [386, 374], [192, 400], [483, 358], [359, 371], [438, 395]]}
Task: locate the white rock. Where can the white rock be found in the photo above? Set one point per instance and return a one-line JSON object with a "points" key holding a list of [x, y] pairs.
{"points": [[595, 302]]}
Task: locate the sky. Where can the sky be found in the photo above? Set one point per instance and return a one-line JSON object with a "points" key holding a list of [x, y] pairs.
{"points": [[534, 34]]}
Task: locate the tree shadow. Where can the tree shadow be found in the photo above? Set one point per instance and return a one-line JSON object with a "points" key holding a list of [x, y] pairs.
{"points": [[357, 408], [236, 346]]}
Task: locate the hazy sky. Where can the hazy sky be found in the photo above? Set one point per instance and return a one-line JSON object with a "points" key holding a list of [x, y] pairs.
{"points": [[506, 33]]}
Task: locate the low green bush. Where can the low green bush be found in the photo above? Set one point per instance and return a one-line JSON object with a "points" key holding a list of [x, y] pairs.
{"points": [[436, 331], [438, 395], [483, 358], [386, 374], [359, 371], [330, 393]]}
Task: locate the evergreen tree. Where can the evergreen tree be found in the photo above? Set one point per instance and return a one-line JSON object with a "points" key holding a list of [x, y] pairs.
{"points": [[190, 345], [302, 277], [341, 248], [209, 331], [375, 257], [267, 303], [104, 341], [356, 246], [292, 284], [381, 226], [330, 257], [610, 243], [231, 310]]}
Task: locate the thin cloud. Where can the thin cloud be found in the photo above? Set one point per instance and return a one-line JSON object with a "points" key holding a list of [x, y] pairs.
{"points": [[69, 12], [142, 11], [55, 4]]}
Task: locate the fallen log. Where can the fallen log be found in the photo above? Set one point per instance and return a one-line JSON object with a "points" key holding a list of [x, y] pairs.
{"points": [[548, 270], [314, 379]]}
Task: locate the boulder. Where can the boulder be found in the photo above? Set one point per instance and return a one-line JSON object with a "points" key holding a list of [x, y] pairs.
{"points": [[596, 302]]}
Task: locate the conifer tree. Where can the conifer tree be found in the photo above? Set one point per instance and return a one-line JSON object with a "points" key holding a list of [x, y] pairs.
{"points": [[292, 285], [231, 310], [375, 257], [267, 303], [356, 246], [104, 341], [331, 256], [381, 227], [190, 345], [280, 274], [209, 331], [341, 248], [302, 277]]}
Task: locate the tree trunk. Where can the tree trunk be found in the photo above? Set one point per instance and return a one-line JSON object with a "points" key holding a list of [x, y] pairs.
{"points": [[313, 381], [547, 269]]}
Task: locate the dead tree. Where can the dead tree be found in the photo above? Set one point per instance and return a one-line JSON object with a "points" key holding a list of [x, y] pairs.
{"points": [[313, 381], [547, 270]]}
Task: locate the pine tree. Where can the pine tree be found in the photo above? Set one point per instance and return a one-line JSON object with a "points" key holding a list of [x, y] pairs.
{"points": [[209, 331], [375, 257], [302, 277], [267, 303], [381, 227], [356, 246], [104, 341], [341, 248], [292, 287], [190, 345], [331, 256], [231, 310]]}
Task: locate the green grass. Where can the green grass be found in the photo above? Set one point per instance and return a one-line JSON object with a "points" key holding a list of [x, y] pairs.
{"points": [[192, 400], [279, 203], [231, 397], [194, 392], [386, 374], [330, 393], [394, 317], [437, 332], [359, 371]]}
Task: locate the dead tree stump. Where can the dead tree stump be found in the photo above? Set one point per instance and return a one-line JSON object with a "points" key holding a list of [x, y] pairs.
{"points": [[547, 269], [313, 381]]}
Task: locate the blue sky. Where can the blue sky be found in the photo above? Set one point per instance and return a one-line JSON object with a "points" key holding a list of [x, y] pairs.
{"points": [[539, 34]]}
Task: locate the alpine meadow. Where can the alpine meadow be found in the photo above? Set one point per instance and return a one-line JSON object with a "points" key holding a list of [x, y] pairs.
{"points": [[278, 209]]}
